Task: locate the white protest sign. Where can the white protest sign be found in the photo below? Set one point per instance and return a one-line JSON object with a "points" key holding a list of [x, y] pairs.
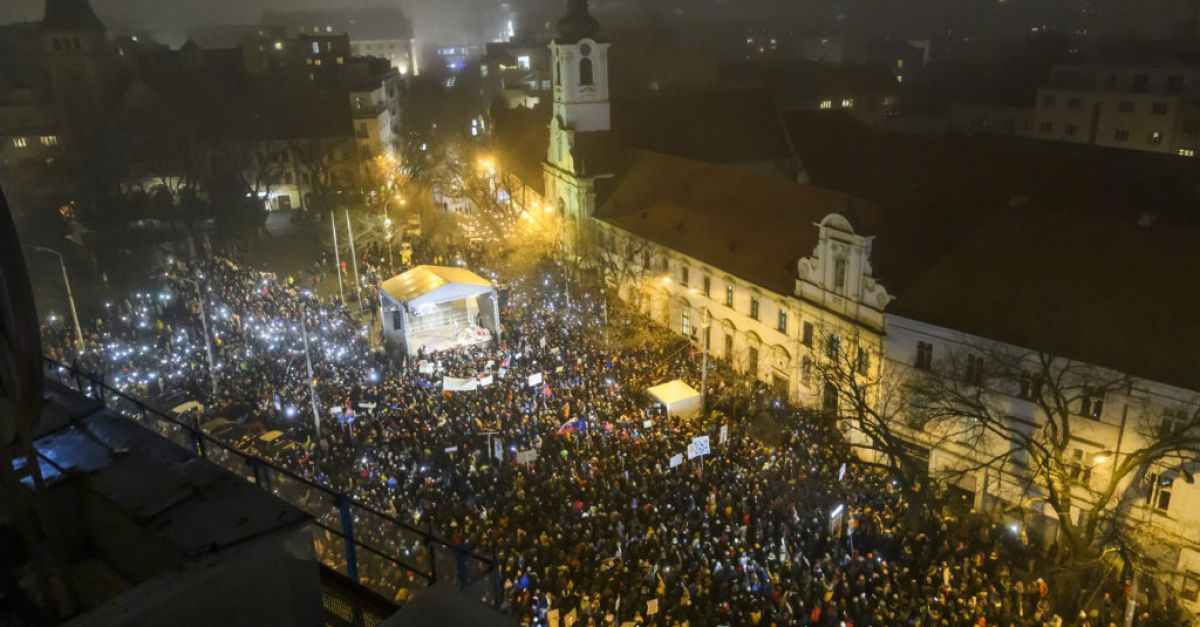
{"points": [[485, 381], [452, 449], [646, 424], [501, 372], [542, 343], [698, 447], [367, 405], [724, 437], [535, 379], [425, 367], [676, 460], [842, 472], [527, 457], [498, 449], [456, 384], [558, 369]]}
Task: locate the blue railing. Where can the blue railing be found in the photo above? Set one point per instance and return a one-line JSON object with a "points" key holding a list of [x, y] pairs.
{"points": [[357, 540]]}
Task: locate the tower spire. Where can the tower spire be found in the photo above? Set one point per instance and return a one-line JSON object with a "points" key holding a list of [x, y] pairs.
{"points": [[578, 23]]}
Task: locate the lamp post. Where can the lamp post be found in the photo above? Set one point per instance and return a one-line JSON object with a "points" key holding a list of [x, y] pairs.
{"points": [[337, 256], [312, 390], [354, 260], [212, 369], [70, 296]]}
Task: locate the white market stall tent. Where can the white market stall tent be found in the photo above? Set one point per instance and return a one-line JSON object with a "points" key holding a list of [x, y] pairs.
{"points": [[679, 398], [438, 308]]}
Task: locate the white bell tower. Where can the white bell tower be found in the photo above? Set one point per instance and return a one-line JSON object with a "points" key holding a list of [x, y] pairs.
{"points": [[581, 84]]}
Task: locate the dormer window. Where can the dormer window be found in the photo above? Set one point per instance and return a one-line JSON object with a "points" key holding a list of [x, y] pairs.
{"points": [[839, 274]]}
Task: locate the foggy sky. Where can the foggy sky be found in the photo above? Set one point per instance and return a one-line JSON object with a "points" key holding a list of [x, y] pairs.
{"points": [[432, 19]]}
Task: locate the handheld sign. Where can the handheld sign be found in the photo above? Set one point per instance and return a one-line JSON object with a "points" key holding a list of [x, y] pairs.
{"points": [[724, 436], [842, 472], [676, 460], [535, 379]]}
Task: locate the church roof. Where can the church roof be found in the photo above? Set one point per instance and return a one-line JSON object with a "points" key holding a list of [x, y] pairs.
{"points": [[578, 24], [1026, 244], [752, 226], [721, 126], [74, 15]]}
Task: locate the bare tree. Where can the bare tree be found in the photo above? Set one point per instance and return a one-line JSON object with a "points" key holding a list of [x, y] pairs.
{"points": [[1090, 492], [878, 411]]}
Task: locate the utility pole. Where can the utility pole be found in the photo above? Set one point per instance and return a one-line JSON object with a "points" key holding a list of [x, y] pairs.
{"points": [[337, 257], [70, 296], [312, 390], [212, 368], [354, 261], [704, 360]]}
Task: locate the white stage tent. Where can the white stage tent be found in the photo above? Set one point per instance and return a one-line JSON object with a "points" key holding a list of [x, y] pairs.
{"points": [[440, 307], [679, 398]]}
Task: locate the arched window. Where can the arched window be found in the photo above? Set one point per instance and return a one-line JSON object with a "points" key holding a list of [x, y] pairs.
{"points": [[558, 73], [585, 71]]}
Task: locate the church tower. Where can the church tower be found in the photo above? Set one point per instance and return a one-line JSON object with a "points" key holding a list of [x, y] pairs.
{"points": [[580, 140], [79, 60]]}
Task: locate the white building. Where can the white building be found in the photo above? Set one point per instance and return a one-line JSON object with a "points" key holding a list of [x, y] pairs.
{"points": [[953, 247]]}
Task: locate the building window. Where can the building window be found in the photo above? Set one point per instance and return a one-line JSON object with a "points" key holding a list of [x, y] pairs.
{"points": [[316, 47], [49, 140], [1190, 591], [1070, 130], [645, 254], [1187, 152], [1159, 108], [585, 72], [397, 320], [685, 325], [341, 60], [728, 347], [707, 285], [683, 276], [523, 62], [754, 307], [1141, 82], [924, 356], [826, 104], [1073, 103], [752, 362], [1126, 106], [974, 370], [1080, 469], [666, 264], [864, 360], [287, 178], [806, 369], [1155, 139], [1046, 128], [729, 296], [1121, 135], [1049, 101], [806, 334], [19, 142], [1030, 385], [781, 322], [847, 103], [833, 347], [1175, 86], [839, 274], [1092, 404], [1159, 494]]}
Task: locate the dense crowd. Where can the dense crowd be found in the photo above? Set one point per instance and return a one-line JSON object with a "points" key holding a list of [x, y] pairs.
{"points": [[773, 527]]}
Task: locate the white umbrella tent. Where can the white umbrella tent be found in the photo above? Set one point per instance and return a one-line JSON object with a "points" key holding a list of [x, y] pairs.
{"points": [[438, 308]]}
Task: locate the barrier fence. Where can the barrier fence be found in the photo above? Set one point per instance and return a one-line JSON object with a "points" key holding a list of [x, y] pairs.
{"points": [[358, 541]]}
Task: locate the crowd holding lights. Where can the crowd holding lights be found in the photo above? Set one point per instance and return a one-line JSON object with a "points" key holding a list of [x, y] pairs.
{"points": [[595, 521]]}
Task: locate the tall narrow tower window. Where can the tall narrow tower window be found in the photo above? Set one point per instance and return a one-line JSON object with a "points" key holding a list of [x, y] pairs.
{"points": [[585, 71]]}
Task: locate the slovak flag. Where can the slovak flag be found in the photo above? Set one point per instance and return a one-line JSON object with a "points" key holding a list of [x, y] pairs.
{"points": [[574, 425]]}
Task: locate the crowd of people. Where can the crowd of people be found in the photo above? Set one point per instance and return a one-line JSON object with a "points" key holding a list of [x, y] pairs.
{"points": [[567, 478]]}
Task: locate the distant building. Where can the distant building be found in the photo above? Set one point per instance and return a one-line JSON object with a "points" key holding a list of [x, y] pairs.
{"points": [[1152, 108], [377, 31]]}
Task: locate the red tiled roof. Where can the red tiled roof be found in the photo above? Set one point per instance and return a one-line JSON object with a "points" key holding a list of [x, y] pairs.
{"points": [[752, 226]]}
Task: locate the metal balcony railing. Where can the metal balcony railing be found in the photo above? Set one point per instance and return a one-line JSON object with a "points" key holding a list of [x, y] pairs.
{"points": [[367, 546]]}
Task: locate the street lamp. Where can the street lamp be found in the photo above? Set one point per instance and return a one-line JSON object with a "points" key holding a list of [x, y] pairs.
{"points": [[70, 296], [212, 369]]}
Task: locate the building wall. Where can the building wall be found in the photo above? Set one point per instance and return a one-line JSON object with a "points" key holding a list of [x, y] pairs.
{"points": [[1120, 427]]}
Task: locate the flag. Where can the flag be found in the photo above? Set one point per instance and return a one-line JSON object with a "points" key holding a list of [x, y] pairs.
{"points": [[574, 425]]}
